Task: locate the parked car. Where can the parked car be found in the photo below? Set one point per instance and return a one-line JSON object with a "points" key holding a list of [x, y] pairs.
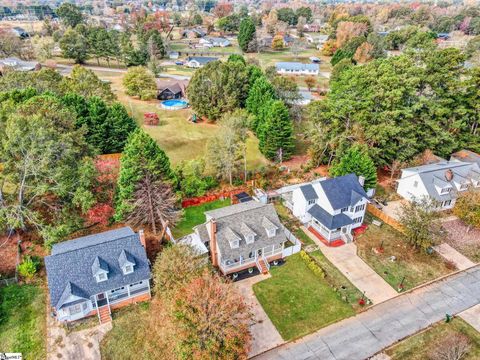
{"points": [[179, 63]]}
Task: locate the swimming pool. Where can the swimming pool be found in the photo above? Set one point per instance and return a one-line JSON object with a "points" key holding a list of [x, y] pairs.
{"points": [[174, 104]]}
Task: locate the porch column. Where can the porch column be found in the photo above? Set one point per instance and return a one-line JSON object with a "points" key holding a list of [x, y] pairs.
{"points": [[128, 290]]}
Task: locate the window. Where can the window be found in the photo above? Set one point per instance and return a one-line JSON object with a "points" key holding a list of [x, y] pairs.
{"points": [[128, 269], [250, 239], [271, 232], [251, 255], [311, 202], [137, 283], [357, 220], [351, 208], [234, 244], [75, 309], [463, 187], [447, 203], [446, 190], [359, 208], [101, 277], [344, 209]]}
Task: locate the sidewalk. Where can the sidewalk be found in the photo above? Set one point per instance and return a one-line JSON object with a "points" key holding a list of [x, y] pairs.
{"points": [[361, 275], [450, 254], [472, 316]]}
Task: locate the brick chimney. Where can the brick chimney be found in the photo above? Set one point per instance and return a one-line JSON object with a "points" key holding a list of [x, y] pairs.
{"points": [[213, 242], [141, 235]]}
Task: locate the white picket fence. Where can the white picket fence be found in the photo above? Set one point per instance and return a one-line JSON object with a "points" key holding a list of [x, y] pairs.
{"points": [[297, 245]]}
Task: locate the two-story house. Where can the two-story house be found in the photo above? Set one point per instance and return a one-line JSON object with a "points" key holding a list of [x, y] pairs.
{"points": [[330, 208], [95, 274], [440, 182], [243, 236]]}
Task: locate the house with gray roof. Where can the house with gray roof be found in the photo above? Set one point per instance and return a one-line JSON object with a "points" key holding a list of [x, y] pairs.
{"points": [[210, 41], [243, 236], [199, 61], [92, 275], [466, 156], [296, 68], [441, 182], [13, 63], [330, 208]]}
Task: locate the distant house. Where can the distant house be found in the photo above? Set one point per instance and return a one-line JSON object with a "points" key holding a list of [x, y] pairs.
{"points": [[166, 91], [174, 55], [330, 208], [466, 156], [209, 41], [16, 64], [194, 33], [199, 61], [305, 98], [440, 182], [243, 237], [93, 275], [318, 39], [296, 68], [20, 32]]}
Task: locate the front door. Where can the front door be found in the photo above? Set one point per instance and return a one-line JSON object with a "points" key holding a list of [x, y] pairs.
{"points": [[101, 299], [259, 252]]}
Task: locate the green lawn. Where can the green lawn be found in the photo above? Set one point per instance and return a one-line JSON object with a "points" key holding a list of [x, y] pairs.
{"points": [[415, 267], [22, 320], [299, 302], [179, 138], [338, 281], [420, 346], [194, 215]]}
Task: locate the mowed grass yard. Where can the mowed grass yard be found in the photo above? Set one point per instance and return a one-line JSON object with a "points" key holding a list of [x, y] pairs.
{"points": [[179, 138], [194, 215], [423, 344], [299, 302], [22, 320], [415, 267]]}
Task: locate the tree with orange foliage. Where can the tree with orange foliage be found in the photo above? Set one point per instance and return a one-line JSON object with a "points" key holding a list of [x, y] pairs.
{"points": [[223, 9], [363, 53], [329, 48], [277, 42], [212, 320], [347, 30]]}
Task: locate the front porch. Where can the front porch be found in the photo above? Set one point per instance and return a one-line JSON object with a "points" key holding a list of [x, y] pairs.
{"points": [[262, 255], [336, 237]]}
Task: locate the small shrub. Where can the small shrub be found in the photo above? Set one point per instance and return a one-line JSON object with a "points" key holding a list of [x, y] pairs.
{"points": [[450, 265], [29, 267], [312, 265]]}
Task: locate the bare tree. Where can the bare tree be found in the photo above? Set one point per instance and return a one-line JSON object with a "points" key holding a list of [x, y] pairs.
{"points": [[154, 205], [453, 347]]}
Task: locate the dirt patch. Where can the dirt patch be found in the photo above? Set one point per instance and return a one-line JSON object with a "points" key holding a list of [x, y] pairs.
{"points": [[463, 239], [8, 254]]}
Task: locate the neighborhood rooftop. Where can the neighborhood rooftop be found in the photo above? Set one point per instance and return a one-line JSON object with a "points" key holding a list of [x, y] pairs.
{"points": [[296, 66], [343, 191]]}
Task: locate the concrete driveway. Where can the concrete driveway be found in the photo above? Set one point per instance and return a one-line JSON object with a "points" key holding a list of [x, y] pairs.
{"points": [[380, 326], [393, 208], [75, 345], [265, 335], [361, 275], [450, 254]]}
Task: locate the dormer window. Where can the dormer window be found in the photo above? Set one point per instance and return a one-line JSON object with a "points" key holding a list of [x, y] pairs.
{"points": [[247, 233], [101, 277], [270, 227], [233, 238], [311, 202], [250, 239], [463, 187], [271, 232], [234, 244], [128, 269], [126, 262], [446, 190]]}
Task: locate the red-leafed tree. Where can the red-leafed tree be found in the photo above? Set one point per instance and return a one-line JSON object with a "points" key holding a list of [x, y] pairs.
{"points": [[223, 9], [212, 320]]}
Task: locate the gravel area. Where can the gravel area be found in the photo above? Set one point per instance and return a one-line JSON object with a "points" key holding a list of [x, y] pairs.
{"points": [[463, 239]]}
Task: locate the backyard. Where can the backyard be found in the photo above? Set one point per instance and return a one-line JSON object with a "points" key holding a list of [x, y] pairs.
{"points": [[398, 260], [194, 215], [299, 302], [178, 137], [422, 345], [22, 320]]}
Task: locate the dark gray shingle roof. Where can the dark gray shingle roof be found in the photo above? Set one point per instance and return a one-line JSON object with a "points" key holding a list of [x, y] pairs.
{"points": [[69, 266], [202, 59], [331, 222], [309, 192], [339, 191]]}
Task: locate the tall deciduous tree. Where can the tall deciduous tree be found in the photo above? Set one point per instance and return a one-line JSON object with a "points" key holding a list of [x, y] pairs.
{"points": [[139, 82], [357, 161], [70, 14], [246, 33], [85, 82], [46, 167], [419, 220], [213, 320], [467, 207], [74, 46], [141, 158], [218, 88]]}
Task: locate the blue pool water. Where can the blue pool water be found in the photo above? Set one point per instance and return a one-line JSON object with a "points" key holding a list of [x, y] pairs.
{"points": [[174, 104]]}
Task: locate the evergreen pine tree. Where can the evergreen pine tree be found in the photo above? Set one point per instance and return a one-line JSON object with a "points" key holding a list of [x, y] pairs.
{"points": [[275, 131], [259, 94], [97, 126], [356, 160], [120, 125], [141, 158], [246, 33]]}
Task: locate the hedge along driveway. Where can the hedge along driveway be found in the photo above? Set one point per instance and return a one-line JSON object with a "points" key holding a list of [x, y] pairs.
{"points": [[299, 302]]}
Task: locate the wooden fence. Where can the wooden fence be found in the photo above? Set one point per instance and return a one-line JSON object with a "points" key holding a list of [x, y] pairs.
{"points": [[385, 218]]}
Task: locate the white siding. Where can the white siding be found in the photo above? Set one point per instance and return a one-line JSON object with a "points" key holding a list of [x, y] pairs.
{"points": [[411, 187]]}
